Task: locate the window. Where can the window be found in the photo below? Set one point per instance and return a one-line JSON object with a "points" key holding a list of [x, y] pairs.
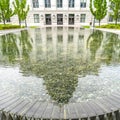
{"points": [[48, 19], [36, 18], [83, 3], [82, 18], [71, 19], [47, 3], [59, 3], [35, 4], [71, 3]]}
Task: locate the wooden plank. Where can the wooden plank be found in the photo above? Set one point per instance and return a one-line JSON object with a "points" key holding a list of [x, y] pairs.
{"points": [[116, 100], [56, 112], [33, 109], [65, 113], [105, 105], [3, 93], [48, 112], [88, 109], [10, 102], [62, 112], [80, 110], [23, 111], [112, 101], [98, 110], [72, 113], [19, 107], [41, 109], [4, 97], [116, 96], [13, 105], [6, 100]]}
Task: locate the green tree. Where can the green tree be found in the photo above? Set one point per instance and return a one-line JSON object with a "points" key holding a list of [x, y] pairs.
{"points": [[24, 15], [25, 11], [115, 7], [98, 9], [5, 10], [21, 10]]}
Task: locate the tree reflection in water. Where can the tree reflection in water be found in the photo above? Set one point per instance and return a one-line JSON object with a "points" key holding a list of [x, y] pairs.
{"points": [[111, 48], [94, 42], [26, 44], [15, 47], [61, 74], [10, 47]]}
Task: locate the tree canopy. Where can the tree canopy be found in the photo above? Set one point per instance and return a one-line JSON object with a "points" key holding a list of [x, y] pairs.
{"points": [[5, 10], [115, 7], [99, 9], [20, 9]]}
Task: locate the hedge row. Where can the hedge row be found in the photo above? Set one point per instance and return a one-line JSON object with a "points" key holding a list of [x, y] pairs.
{"points": [[111, 26], [9, 26]]}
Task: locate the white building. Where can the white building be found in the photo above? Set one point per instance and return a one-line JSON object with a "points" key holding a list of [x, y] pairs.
{"points": [[60, 12]]}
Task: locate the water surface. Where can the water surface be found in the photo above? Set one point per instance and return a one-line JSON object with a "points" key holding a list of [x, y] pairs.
{"points": [[60, 64]]}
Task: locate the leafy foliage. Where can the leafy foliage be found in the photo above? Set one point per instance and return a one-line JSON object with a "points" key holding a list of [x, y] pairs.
{"points": [[5, 10], [115, 7], [98, 8], [111, 26], [20, 10], [8, 26]]}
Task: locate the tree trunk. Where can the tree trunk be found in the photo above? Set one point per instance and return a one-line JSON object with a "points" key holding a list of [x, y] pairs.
{"points": [[25, 23], [19, 22], [99, 23], [3, 18], [4, 21], [94, 22], [116, 22]]}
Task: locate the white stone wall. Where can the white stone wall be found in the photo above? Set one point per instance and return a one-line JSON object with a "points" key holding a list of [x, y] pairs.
{"points": [[65, 10]]}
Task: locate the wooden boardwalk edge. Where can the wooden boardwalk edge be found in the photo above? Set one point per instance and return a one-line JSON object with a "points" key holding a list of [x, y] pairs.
{"points": [[13, 108]]}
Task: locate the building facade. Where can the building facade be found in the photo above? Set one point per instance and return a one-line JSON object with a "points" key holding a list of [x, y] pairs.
{"points": [[60, 12]]}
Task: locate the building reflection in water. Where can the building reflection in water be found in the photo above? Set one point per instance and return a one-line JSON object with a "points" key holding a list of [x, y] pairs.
{"points": [[60, 58], [60, 55]]}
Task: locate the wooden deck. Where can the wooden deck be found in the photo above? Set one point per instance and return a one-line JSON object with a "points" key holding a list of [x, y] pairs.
{"points": [[13, 108]]}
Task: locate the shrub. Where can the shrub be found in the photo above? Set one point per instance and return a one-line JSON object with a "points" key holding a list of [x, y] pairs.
{"points": [[9, 26], [86, 26], [110, 26]]}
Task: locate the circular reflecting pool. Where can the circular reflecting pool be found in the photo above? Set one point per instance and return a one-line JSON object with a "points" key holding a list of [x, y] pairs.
{"points": [[60, 64]]}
